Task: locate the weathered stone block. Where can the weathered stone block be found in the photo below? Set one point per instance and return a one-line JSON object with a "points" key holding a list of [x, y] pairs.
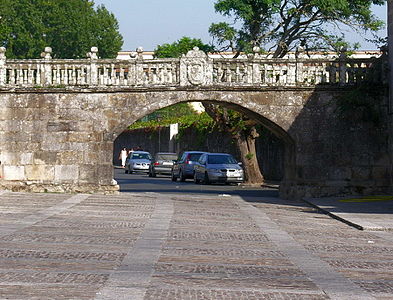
{"points": [[26, 158], [14, 173], [56, 126], [361, 173], [339, 173], [88, 173], [66, 173], [45, 158], [378, 173], [69, 157], [40, 172]]}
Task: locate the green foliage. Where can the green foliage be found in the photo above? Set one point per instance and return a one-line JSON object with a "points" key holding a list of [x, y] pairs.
{"points": [[180, 113], [249, 156], [70, 27], [288, 24], [180, 47]]}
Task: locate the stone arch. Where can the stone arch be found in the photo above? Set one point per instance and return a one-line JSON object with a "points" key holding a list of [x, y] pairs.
{"points": [[259, 106]]}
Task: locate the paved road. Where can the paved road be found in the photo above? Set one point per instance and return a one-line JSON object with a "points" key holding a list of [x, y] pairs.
{"points": [[184, 246], [140, 182]]}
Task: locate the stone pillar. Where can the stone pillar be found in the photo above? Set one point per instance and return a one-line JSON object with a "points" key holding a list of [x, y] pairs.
{"points": [[93, 80], [2, 66], [299, 65], [139, 72], [46, 73], [343, 67]]}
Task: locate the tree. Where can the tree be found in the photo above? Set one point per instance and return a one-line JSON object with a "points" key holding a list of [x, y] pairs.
{"points": [[70, 27], [286, 24], [244, 132], [180, 47]]}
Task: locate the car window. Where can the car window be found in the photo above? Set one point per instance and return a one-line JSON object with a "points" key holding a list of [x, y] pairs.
{"points": [[141, 156], [182, 157], [166, 157], [221, 159], [194, 156], [202, 159]]}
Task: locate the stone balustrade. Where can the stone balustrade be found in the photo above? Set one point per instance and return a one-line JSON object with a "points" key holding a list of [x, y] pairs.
{"points": [[193, 69]]}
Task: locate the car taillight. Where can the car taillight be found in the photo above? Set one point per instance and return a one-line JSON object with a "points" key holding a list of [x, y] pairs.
{"points": [[156, 163]]}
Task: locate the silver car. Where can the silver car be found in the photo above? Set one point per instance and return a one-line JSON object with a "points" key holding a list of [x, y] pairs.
{"points": [[218, 167], [138, 161]]}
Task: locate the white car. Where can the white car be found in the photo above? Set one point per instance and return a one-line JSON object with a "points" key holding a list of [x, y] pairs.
{"points": [[138, 161]]}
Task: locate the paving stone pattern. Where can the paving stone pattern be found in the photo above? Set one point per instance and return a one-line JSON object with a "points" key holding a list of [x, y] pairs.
{"points": [[150, 246]]}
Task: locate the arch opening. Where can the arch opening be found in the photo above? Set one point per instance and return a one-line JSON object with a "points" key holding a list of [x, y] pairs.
{"points": [[271, 132]]}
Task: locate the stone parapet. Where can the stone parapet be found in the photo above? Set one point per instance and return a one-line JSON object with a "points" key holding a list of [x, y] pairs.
{"points": [[193, 69]]}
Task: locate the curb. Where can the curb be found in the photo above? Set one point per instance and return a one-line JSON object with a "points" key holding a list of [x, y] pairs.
{"points": [[357, 226]]}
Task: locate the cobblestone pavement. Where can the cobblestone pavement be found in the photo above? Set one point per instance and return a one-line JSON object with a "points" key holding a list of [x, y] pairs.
{"points": [[152, 246]]}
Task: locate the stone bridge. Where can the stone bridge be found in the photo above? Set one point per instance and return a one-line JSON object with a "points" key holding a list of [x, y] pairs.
{"points": [[59, 118]]}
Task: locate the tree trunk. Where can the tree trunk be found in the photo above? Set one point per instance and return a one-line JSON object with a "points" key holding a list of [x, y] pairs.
{"points": [[246, 144]]}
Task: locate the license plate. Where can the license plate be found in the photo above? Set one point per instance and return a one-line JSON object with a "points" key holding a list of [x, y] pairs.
{"points": [[166, 163]]}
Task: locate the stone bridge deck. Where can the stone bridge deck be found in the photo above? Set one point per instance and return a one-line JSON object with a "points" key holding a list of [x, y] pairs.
{"points": [[193, 69]]}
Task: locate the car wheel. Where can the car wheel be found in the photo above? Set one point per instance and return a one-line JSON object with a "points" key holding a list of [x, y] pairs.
{"points": [[196, 180], [173, 177], [182, 178], [206, 179]]}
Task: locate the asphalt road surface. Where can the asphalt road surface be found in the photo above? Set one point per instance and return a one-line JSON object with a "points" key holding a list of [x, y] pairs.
{"points": [[141, 182]]}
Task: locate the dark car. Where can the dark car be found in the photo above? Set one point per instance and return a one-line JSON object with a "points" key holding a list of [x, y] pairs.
{"points": [[183, 168], [162, 163], [218, 167]]}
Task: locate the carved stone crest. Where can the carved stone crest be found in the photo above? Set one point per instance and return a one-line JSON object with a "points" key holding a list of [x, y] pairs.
{"points": [[195, 67]]}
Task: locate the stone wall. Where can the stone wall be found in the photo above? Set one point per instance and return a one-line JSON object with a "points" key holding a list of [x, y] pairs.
{"points": [[62, 140], [270, 150]]}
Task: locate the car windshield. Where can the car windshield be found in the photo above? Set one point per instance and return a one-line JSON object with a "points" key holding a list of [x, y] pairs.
{"points": [[221, 159], [194, 156], [163, 156], [140, 156]]}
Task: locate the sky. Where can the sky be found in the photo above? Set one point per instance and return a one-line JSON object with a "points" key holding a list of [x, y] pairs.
{"points": [[148, 23]]}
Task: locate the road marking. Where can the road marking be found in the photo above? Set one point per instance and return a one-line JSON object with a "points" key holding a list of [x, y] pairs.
{"points": [[132, 278], [335, 285], [42, 215]]}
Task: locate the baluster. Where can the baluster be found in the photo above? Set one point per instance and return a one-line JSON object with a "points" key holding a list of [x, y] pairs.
{"points": [[30, 75], [58, 75], [121, 76], [25, 77], [113, 74], [13, 76], [38, 75]]}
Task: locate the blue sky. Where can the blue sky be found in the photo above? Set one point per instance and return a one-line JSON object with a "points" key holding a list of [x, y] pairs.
{"points": [[149, 23]]}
